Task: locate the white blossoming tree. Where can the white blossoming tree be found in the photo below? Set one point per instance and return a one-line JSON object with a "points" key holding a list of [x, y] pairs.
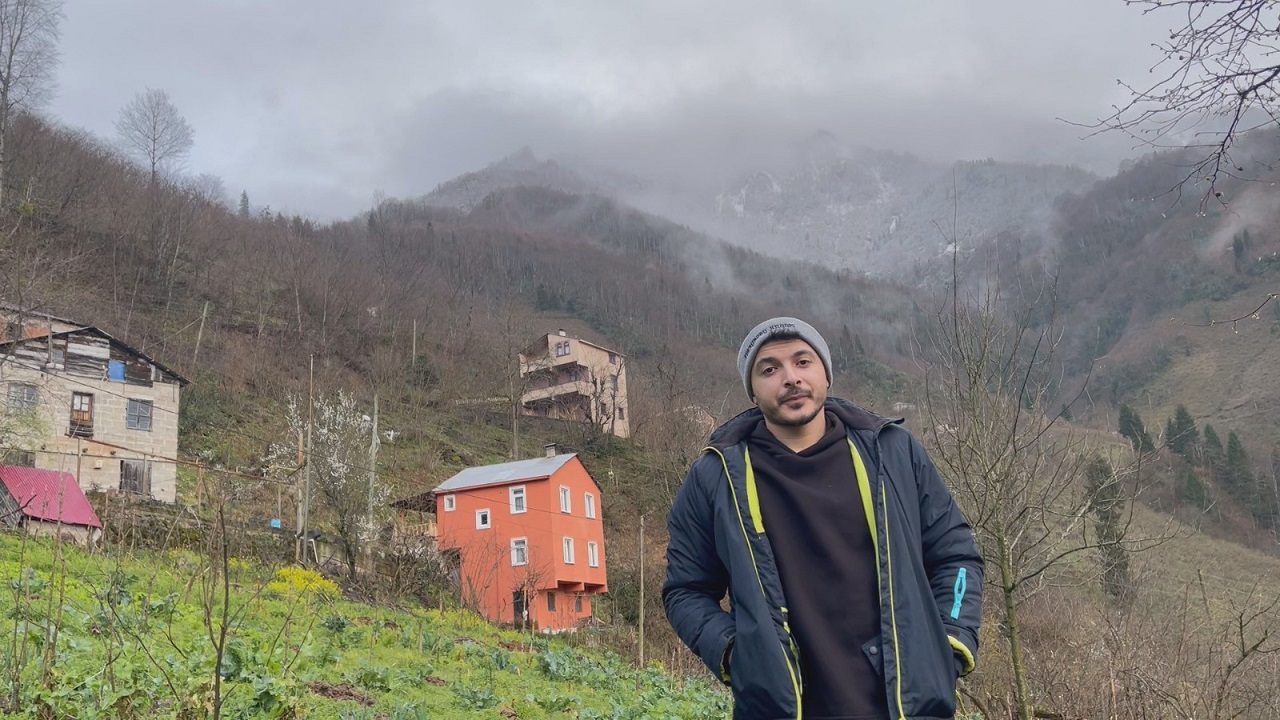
{"points": [[344, 494]]}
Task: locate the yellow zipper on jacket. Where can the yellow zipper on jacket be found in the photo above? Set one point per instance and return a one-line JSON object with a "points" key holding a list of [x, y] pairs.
{"points": [[759, 523], [864, 488]]}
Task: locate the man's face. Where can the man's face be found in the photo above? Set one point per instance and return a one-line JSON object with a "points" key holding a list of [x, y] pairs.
{"points": [[789, 382]]}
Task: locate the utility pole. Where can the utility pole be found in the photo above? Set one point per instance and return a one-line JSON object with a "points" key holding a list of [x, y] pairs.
{"points": [[306, 475], [414, 354], [200, 334], [642, 591], [373, 465], [301, 519]]}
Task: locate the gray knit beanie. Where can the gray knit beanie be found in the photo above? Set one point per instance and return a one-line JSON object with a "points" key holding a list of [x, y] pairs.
{"points": [[769, 329]]}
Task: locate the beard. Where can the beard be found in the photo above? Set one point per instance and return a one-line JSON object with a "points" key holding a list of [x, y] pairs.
{"points": [[775, 414]]}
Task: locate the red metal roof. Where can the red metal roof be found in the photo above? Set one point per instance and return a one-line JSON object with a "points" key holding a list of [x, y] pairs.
{"points": [[43, 493]]}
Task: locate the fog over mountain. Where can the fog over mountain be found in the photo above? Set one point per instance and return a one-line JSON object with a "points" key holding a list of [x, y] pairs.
{"points": [[312, 108]]}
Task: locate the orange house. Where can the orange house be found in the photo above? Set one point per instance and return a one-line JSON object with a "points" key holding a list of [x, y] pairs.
{"points": [[529, 538]]}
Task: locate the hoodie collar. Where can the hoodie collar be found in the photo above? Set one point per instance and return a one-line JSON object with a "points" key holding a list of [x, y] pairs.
{"points": [[854, 416]]}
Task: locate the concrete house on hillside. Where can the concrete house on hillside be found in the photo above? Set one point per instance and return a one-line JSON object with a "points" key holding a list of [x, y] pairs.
{"points": [[529, 540], [571, 379], [80, 401]]}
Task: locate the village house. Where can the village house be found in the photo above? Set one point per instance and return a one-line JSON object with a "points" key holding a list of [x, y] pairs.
{"points": [[529, 540], [571, 379], [46, 502], [80, 401]]}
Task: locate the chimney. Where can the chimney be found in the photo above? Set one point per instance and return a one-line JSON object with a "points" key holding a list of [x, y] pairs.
{"points": [[561, 333], [550, 448]]}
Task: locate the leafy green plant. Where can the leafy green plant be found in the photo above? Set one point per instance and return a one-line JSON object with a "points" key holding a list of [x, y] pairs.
{"points": [[555, 701], [371, 678], [335, 623], [475, 698]]}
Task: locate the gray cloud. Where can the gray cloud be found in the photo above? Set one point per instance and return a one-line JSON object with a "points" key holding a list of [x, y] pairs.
{"points": [[313, 105]]}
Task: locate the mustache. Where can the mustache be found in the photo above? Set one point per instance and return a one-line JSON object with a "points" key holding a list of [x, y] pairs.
{"points": [[795, 394]]}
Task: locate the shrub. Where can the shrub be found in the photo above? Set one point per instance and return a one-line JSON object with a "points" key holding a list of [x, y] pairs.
{"points": [[292, 582]]}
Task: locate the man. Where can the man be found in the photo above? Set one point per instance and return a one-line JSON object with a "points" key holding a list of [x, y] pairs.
{"points": [[855, 582]]}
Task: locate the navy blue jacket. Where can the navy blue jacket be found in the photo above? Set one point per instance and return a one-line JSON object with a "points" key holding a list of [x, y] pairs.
{"points": [[929, 566]]}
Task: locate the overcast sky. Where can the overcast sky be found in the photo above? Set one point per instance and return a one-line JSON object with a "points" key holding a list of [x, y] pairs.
{"points": [[313, 105]]}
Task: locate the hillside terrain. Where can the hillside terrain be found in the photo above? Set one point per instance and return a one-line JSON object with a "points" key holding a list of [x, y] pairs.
{"points": [[425, 303]]}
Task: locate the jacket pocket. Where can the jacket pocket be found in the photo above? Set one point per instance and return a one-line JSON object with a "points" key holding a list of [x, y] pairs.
{"points": [[872, 652], [760, 673]]}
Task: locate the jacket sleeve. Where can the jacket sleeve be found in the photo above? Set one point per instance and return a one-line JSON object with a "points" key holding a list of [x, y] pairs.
{"points": [[696, 578], [951, 560]]}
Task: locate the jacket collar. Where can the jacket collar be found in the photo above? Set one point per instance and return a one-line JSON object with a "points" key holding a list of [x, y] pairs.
{"points": [[854, 417]]}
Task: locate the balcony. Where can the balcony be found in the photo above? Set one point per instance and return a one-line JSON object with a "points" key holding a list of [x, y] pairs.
{"points": [[422, 529], [560, 390], [546, 361], [413, 538]]}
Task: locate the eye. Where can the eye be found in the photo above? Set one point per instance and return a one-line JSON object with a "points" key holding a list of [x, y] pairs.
{"points": [[767, 371]]}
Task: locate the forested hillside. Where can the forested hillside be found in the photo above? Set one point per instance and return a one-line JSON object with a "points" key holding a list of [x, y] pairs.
{"points": [[426, 307]]}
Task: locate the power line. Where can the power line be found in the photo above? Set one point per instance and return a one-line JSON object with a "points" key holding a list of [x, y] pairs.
{"points": [[159, 459]]}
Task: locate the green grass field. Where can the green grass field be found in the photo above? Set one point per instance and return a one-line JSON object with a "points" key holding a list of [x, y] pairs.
{"points": [[99, 636]]}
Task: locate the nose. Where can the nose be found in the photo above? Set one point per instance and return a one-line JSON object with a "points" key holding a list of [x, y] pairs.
{"points": [[790, 377]]}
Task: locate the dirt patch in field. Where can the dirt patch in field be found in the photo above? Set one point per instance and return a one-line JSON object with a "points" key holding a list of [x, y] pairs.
{"points": [[344, 691]]}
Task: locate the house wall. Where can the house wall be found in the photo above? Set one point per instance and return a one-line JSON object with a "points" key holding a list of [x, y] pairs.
{"points": [[488, 577], [612, 412], [489, 580], [96, 464], [575, 524], [81, 534]]}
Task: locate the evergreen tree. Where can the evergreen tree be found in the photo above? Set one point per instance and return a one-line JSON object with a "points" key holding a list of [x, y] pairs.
{"points": [[1106, 504], [244, 204], [1191, 491], [1264, 508], [1269, 491], [1183, 438], [844, 352], [1211, 451], [1132, 428], [1236, 477]]}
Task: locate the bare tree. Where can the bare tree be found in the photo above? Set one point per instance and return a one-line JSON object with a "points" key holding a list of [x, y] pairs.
{"points": [[28, 55], [1017, 469], [1216, 79], [153, 131]]}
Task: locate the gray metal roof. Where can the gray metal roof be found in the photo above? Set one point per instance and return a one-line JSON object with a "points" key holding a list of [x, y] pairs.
{"points": [[505, 473]]}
